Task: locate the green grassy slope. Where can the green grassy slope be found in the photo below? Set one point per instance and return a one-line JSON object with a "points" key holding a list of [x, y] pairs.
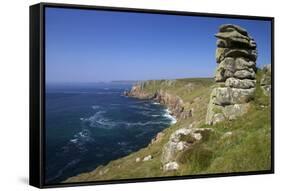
{"points": [[239, 145]]}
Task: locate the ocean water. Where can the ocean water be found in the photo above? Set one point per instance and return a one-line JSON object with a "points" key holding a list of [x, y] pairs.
{"points": [[88, 125]]}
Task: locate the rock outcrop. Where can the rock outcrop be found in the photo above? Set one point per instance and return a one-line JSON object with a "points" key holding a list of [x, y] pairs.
{"points": [[266, 80], [236, 57], [137, 92], [181, 140], [174, 103]]}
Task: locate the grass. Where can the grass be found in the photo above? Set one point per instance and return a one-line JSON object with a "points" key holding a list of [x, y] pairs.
{"points": [[240, 145]]}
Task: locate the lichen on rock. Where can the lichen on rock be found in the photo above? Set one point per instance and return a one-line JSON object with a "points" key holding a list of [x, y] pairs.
{"points": [[266, 80], [236, 56], [181, 140]]}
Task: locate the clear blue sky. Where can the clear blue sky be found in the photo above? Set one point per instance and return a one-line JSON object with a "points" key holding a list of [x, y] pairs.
{"points": [[91, 46]]}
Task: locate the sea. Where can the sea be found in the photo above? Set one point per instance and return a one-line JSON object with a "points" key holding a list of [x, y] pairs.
{"points": [[87, 125]]}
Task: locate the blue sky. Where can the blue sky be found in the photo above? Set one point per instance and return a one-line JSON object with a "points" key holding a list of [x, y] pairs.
{"points": [[93, 46]]}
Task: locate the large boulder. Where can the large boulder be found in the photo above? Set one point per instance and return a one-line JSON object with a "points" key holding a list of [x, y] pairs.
{"points": [[232, 27], [234, 36], [242, 84], [217, 113], [243, 64], [245, 74], [222, 53], [181, 140], [233, 39], [230, 96], [171, 166]]}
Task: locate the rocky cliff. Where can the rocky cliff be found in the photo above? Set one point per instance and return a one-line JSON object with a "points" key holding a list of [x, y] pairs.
{"points": [[236, 56], [174, 103]]}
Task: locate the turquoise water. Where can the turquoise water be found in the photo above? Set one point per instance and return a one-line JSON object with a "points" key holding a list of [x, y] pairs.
{"points": [[91, 124]]}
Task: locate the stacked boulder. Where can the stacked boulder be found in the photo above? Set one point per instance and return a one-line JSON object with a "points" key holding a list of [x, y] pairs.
{"points": [[236, 57]]}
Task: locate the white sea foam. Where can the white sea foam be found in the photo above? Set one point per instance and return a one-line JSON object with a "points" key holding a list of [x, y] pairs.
{"points": [[155, 115], [168, 115], [155, 103], [100, 121], [81, 137], [95, 107], [140, 107], [74, 140], [145, 123]]}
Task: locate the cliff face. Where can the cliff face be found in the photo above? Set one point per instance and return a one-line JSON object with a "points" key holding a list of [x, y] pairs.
{"points": [[174, 103]]}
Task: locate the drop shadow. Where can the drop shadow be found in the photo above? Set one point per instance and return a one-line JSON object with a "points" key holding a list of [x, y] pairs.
{"points": [[24, 180]]}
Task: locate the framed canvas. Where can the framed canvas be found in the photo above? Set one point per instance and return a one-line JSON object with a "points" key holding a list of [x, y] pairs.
{"points": [[123, 95]]}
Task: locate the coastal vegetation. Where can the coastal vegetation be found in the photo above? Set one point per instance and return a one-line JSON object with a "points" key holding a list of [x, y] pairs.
{"points": [[223, 124], [239, 145]]}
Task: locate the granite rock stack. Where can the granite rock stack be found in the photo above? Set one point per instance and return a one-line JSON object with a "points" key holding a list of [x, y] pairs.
{"points": [[235, 76]]}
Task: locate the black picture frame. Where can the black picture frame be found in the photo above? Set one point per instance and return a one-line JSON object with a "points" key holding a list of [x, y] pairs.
{"points": [[37, 93]]}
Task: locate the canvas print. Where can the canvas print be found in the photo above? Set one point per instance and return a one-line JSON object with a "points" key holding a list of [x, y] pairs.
{"points": [[133, 95]]}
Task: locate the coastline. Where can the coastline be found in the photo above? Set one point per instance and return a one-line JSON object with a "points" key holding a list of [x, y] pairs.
{"points": [[168, 113], [177, 109]]}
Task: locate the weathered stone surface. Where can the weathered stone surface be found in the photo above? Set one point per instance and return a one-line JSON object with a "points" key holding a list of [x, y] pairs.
{"points": [[243, 64], [169, 152], [147, 158], [235, 75], [245, 74], [212, 110], [266, 80], [246, 53], [233, 111], [218, 117], [231, 27], [222, 53], [228, 64], [222, 43], [234, 39], [217, 113], [227, 96], [225, 70], [237, 83], [181, 140], [171, 166]]}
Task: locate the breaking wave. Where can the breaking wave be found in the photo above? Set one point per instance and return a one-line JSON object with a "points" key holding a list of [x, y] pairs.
{"points": [[168, 115]]}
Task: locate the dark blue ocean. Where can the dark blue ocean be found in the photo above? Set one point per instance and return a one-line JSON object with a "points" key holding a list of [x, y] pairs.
{"points": [[91, 124]]}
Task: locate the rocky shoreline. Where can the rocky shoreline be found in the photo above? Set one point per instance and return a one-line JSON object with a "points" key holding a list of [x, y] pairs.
{"points": [[173, 103]]}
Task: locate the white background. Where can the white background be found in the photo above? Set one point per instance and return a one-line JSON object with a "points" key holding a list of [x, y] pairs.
{"points": [[14, 88]]}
